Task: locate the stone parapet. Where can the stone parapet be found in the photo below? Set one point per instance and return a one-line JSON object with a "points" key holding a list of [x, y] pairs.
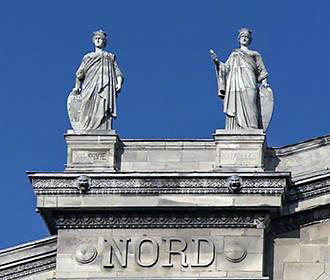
{"points": [[104, 152]]}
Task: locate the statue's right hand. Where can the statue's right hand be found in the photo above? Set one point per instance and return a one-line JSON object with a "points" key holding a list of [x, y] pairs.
{"points": [[75, 91], [214, 56], [80, 75]]}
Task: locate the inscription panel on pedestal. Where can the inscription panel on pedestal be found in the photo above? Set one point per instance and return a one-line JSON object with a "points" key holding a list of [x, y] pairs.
{"points": [[90, 156], [239, 157]]}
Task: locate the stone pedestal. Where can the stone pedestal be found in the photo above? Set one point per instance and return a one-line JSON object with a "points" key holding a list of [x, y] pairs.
{"points": [[239, 150], [93, 151]]}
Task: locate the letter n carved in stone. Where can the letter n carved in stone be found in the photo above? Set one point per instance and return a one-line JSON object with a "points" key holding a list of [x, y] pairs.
{"points": [[116, 250]]}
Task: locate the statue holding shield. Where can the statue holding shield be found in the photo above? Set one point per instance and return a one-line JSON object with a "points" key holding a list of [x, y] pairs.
{"points": [[243, 85], [92, 102]]}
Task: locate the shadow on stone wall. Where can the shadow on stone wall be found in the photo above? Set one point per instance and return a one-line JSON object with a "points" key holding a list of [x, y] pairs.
{"points": [[271, 160]]}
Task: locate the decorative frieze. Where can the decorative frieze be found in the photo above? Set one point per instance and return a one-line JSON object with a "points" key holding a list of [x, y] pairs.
{"points": [[168, 219], [157, 185]]}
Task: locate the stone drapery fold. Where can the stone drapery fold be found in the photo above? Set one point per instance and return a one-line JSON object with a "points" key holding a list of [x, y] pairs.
{"points": [[98, 89], [238, 83]]}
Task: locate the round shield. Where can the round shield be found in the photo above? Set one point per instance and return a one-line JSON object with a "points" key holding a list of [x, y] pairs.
{"points": [[266, 106], [74, 104]]}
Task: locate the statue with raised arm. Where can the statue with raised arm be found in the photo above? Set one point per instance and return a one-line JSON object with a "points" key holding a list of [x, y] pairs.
{"points": [[243, 86], [92, 102]]}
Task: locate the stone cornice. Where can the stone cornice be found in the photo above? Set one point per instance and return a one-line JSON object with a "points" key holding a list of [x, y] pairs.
{"points": [[178, 144], [29, 267], [308, 188], [27, 259], [302, 146], [27, 246], [300, 219], [266, 183]]}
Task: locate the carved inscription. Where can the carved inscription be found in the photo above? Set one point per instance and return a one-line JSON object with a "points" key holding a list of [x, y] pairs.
{"points": [[145, 257], [241, 157], [167, 252], [116, 250], [97, 156], [85, 156], [182, 246], [203, 246]]}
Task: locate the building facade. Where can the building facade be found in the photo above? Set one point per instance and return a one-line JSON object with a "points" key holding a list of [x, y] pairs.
{"points": [[228, 207]]}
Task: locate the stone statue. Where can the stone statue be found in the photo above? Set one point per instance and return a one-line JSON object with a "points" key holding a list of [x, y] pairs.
{"points": [[243, 85], [92, 102]]}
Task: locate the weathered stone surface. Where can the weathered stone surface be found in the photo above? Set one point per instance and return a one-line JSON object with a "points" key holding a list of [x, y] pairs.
{"points": [[266, 183], [35, 260], [240, 150], [324, 276], [192, 252], [91, 152], [304, 257], [302, 270], [304, 160], [186, 209]]}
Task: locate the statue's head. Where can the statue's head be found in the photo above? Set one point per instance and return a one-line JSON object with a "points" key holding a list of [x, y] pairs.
{"points": [[244, 36], [100, 39]]}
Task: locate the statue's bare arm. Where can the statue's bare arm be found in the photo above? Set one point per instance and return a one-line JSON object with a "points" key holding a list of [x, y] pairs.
{"points": [[80, 76], [119, 83]]}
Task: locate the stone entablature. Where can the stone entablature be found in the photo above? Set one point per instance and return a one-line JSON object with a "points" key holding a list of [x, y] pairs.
{"points": [[71, 200]]}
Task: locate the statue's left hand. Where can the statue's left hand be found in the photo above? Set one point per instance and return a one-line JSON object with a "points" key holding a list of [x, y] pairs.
{"points": [[76, 91], [118, 87], [264, 83]]}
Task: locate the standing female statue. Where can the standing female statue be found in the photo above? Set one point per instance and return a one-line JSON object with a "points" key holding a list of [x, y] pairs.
{"points": [[238, 80], [92, 102]]}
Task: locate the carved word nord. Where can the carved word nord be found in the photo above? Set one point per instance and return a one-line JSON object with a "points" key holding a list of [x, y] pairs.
{"points": [[165, 252]]}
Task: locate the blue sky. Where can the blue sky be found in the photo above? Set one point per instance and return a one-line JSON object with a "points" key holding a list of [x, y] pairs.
{"points": [[170, 88]]}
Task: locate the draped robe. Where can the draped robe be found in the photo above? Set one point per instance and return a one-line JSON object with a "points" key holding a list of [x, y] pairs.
{"points": [[237, 83], [98, 89]]}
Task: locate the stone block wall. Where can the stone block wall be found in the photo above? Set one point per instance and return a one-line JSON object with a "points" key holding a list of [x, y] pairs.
{"points": [[306, 256]]}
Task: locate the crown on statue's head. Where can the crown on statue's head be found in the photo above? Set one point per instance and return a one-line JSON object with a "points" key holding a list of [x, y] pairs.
{"points": [[100, 33], [245, 31]]}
